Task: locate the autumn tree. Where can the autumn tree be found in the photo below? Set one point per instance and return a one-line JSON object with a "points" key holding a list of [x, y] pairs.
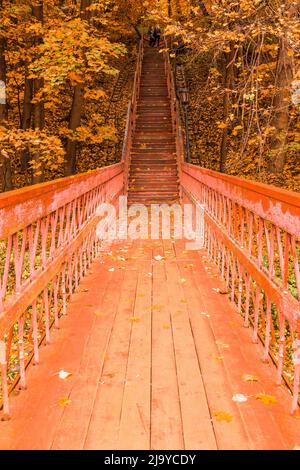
{"points": [[249, 49]]}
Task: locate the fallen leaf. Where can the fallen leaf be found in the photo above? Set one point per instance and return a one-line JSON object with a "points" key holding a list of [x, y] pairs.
{"points": [[250, 378], [99, 314], [239, 398], [85, 290], [223, 290], [109, 376], [135, 319], [218, 358], [205, 314], [64, 402], [222, 345], [63, 374], [266, 399], [222, 416], [166, 327]]}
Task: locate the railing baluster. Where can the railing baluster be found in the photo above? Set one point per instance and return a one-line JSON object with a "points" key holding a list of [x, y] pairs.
{"points": [[257, 228]]}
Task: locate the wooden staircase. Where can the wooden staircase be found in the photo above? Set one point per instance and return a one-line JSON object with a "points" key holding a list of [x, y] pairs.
{"points": [[153, 174]]}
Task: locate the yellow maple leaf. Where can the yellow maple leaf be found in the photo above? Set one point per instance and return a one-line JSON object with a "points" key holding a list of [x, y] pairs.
{"points": [[64, 401], [135, 319], [250, 378], [266, 399], [223, 416]]}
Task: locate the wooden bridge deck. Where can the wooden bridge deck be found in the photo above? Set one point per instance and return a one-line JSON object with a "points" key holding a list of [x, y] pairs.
{"points": [[156, 355]]}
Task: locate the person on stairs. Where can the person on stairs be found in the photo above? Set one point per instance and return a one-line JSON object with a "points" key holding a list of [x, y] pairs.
{"points": [[151, 36], [157, 34]]}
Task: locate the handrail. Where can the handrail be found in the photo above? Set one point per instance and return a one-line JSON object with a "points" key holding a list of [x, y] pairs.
{"points": [[176, 127], [253, 235], [131, 114], [48, 241]]}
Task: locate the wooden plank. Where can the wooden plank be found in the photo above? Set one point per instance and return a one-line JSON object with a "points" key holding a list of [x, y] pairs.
{"points": [[166, 422], [72, 429], [197, 426], [38, 405], [244, 357], [105, 418], [230, 435], [134, 430]]}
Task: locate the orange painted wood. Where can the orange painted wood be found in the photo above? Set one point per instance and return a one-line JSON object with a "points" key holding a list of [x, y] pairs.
{"points": [[166, 422], [219, 393], [196, 420], [103, 432], [268, 426], [134, 430], [37, 407], [72, 429], [155, 382], [153, 175]]}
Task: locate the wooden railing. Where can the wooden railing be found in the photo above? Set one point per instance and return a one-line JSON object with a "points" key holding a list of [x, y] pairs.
{"points": [[175, 112], [252, 233], [48, 241], [131, 114], [253, 236]]}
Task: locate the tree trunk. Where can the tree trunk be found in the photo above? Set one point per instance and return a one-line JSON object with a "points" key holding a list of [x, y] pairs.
{"points": [[76, 110], [228, 84], [38, 84], [5, 165], [203, 9], [75, 119], [282, 100], [26, 119]]}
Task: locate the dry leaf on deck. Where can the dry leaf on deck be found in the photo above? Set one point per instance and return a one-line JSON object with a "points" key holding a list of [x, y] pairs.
{"points": [[250, 378], [135, 319], [266, 399], [64, 374], [239, 398], [222, 345], [222, 416], [64, 402]]}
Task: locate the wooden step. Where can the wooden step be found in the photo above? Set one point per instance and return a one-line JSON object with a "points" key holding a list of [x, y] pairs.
{"points": [[153, 174]]}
